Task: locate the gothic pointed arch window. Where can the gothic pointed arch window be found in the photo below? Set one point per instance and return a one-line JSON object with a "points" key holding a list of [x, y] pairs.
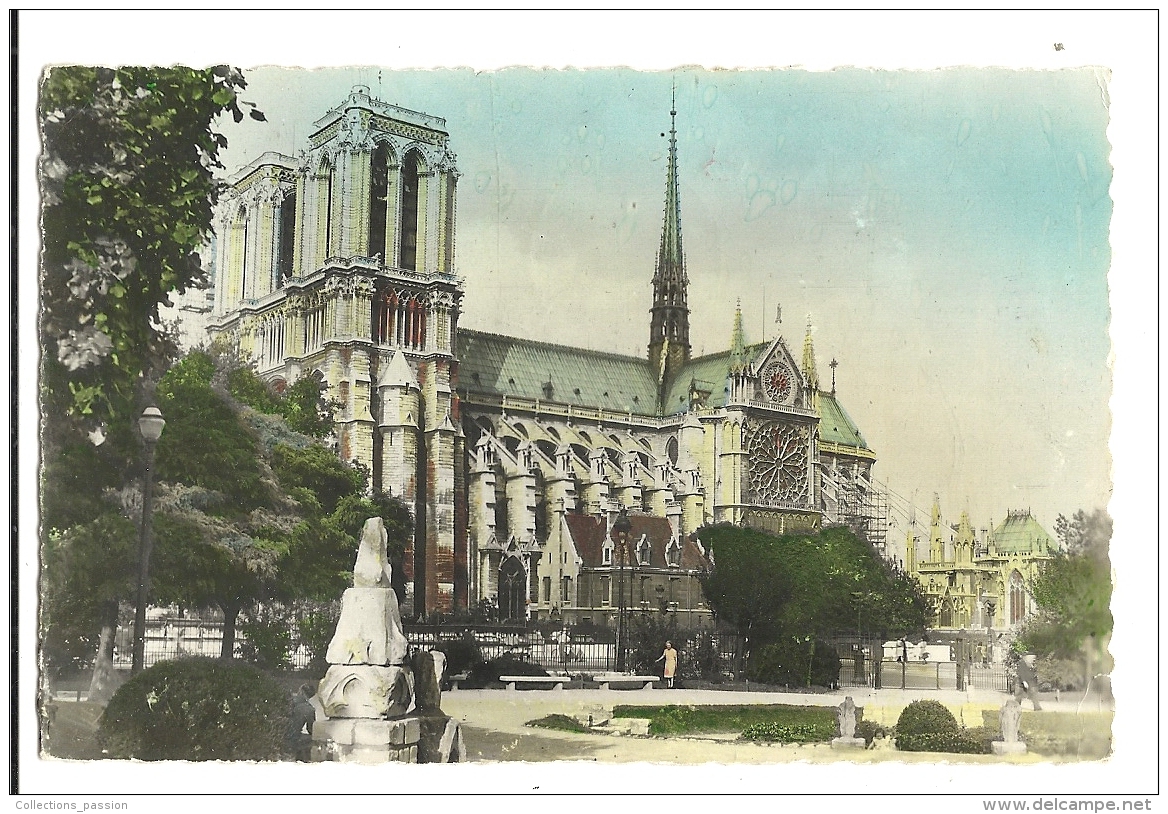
{"points": [[242, 233], [287, 240], [326, 170], [378, 200], [1017, 598], [673, 554], [512, 590], [408, 256]]}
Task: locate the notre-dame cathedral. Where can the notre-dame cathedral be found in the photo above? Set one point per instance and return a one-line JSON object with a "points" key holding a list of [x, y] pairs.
{"points": [[515, 456]]}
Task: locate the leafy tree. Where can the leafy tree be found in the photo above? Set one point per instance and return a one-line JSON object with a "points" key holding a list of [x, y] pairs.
{"points": [[747, 586], [1073, 595], [799, 585], [127, 193]]}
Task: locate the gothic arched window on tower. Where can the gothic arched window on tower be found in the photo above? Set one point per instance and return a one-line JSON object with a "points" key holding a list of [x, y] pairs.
{"points": [[284, 249], [409, 212], [378, 201]]}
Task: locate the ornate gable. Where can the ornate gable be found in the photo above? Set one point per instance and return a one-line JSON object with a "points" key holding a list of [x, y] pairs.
{"points": [[776, 378]]}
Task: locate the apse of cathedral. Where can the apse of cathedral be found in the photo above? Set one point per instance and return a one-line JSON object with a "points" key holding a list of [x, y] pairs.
{"points": [[516, 457]]}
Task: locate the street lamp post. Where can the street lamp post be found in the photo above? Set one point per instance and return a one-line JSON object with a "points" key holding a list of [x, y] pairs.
{"points": [[150, 425], [620, 536]]}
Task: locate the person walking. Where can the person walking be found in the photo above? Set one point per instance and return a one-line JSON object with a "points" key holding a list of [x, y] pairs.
{"points": [[1026, 680], [670, 659]]}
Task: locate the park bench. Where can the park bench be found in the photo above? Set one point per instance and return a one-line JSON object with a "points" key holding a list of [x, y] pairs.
{"points": [[555, 682], [618, 681], [457, 679]]}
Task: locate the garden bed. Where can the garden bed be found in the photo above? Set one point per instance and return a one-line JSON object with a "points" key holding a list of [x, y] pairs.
{"points": [[729, 718]]}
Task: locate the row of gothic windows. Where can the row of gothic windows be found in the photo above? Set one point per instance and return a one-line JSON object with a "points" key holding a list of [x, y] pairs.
{"points": [[408, 208]]}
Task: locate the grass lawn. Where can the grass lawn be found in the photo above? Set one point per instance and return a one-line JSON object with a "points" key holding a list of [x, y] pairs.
{"points": [[1084, 735], [722, 719]]}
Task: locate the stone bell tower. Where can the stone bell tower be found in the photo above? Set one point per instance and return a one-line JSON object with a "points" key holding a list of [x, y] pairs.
{"points": [[340, 264]]}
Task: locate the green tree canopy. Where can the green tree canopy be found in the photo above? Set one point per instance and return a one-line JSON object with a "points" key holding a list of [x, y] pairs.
{"points": [[802, 585], [1073, 594], [127, 192], [247, 510]]}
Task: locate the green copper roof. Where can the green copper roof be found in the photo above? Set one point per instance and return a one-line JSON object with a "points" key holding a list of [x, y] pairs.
{"points": [[1020, 533], [495, 365], [836, 426], [708, 373]]}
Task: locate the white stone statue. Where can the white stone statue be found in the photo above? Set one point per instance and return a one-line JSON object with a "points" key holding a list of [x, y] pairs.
{"points": [[846, 715], [1009, 717]]}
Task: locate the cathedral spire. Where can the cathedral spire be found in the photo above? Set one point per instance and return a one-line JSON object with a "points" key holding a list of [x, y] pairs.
{"points": [[737, 341], [810, 369], [669, 347]]}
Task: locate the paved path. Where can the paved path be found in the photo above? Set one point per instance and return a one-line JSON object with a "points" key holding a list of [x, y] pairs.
{"points": [[494, 725]]}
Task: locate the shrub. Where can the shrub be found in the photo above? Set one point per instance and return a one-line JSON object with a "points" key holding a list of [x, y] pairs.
{"points": [[961, 741], [267, 636], [461, 655], [795, 663], [196, 709], [487, 673], [925, 717], [868, 731], [788, 733], [681, 720]]}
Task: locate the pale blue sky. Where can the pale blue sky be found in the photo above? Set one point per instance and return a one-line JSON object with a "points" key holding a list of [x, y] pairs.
{"points": [[947, 232]]}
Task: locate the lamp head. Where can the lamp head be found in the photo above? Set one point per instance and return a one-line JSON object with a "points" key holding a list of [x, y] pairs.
{"points": [[150, 424], [621, 526]]}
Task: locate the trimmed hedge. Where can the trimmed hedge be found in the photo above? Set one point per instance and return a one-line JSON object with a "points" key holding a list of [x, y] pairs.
{"points": [[196, 709], [929, 726], [789, 733], [682, 720], [925, 717], [963, 741]]}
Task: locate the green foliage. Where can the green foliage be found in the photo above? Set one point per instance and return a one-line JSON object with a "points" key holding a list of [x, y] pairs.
{"points": [[925, 717], [959, 741], [268, 631], [205, 443], [87, 569], [127, 182], [868, 730], [196, 709], [461, 655], [795, 662], [787, 733], [316, 624], [767, 586], [749, 584], [1073, 594], [562, 723], [486, 674], [702, 659], [691, 719], [318, 470]]}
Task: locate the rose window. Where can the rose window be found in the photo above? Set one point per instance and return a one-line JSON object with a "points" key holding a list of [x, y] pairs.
{"points": [[777, 463]]}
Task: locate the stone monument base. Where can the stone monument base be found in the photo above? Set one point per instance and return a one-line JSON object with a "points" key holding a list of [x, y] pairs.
{"points": [[1008, 747], [849, 743], [357, 740]]}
